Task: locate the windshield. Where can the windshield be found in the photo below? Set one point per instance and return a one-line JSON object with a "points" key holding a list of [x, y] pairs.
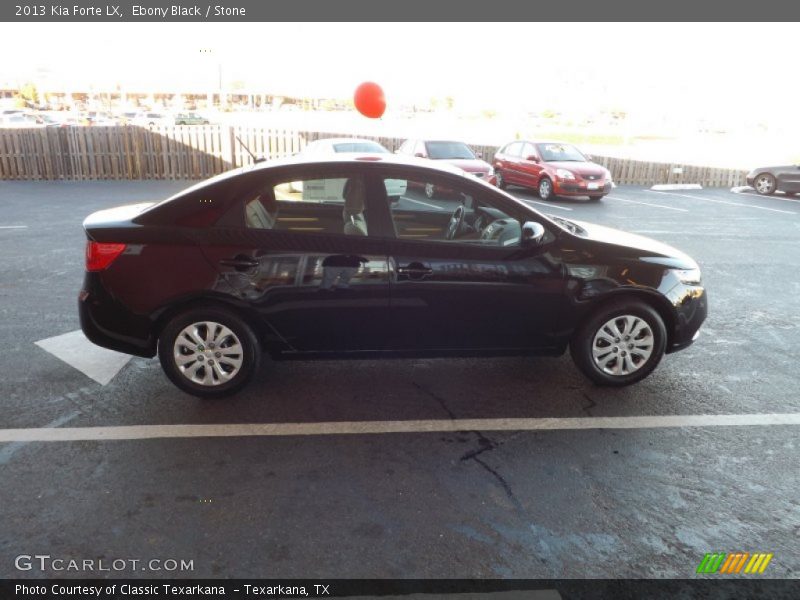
{"points": [[560, 153], [360, 147], [446, 150]]}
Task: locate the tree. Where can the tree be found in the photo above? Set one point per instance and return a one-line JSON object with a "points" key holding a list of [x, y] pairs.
{"points": [[29, 94]]}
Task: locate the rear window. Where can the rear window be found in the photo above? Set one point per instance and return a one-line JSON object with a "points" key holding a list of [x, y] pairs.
{"points": [[372, 147], [449, 150]]}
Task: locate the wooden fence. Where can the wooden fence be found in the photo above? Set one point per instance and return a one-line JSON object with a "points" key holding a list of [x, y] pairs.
{"points": [[198, 152]]}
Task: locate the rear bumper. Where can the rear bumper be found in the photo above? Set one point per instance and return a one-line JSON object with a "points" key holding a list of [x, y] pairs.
{"points": [[109, 324], [580, 188]]}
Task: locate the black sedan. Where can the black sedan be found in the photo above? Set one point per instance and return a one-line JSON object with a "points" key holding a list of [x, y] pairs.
{"points": [[247, 264], [768, 180]]}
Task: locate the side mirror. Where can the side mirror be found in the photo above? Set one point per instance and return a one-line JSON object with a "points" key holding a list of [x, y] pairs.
{"points": [[532, 233], [419, 155], [588, 157], [532, 158], [479, 155]]}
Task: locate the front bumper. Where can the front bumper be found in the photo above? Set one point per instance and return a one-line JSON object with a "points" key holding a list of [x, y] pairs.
{"points": [[691, 310], [581, 188]]}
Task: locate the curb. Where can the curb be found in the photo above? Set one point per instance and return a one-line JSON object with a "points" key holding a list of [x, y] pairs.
{"points": [[741, 188], [664, 187]]}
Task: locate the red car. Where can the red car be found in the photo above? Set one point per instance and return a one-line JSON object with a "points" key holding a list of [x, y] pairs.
{"points": [[455, 153], [552, 168]]}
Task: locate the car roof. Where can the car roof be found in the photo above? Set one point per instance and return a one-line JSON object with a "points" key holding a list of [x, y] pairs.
{"points": [[353, 158]]}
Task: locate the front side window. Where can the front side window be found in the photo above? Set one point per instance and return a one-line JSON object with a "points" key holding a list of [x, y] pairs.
{"points": [[332, 205], [528, 150], [439, 210]]}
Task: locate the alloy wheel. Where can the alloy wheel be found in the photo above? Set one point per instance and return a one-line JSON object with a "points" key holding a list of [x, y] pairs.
{"points": [[765, 184], [545, 189]]}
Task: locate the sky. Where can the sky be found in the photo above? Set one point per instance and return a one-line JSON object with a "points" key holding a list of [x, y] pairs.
{"points": [[725, 71]]}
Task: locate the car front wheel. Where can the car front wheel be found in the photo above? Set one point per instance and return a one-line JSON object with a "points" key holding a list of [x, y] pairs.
{"points": [[499, 179], [620, 344], [209, 352], [546, 189]]}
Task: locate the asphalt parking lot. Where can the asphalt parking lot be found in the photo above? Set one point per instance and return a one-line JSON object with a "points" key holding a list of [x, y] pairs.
{"points": [[645, 501]]}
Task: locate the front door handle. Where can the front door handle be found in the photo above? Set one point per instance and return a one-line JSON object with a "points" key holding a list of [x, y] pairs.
{"points": [[414, 270], [240, 263]]}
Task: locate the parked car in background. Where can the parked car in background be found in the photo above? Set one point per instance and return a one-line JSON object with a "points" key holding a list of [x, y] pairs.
{"points": [[18, 120], [189, 118], [768, 180], [452, 152], [49, 120], [551, 168], [332, 146], [240, 266], [151, 119]]}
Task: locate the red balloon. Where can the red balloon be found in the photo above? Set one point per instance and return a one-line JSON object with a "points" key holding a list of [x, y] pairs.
{"points": [[369, 100]]}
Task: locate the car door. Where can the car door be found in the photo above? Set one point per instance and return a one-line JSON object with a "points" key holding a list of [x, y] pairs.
{"points": [[789, 179], [530, 166], [510, 166], [472, 285], [303, 258]]}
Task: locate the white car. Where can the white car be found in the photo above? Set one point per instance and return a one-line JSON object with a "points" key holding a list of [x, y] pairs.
{"points": [[325, 147], [17, 120], [152, 119]]}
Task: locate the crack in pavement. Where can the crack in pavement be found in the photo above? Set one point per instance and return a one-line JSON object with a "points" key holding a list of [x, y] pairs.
{"points": [[486, 444], [592, 404]]}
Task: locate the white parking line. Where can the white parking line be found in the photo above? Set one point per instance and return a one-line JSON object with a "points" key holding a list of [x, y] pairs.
{"points": [[692, 197], [546, 204], [422, 203], [143, 432], [13, 226], [648, 204]]}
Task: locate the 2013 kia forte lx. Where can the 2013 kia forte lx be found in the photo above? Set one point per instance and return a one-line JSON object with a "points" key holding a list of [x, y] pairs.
{"points": [[252, 263]]}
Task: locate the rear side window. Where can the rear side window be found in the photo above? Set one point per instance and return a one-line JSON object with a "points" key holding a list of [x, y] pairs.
{"points": [[512, 149], [330, 205]]}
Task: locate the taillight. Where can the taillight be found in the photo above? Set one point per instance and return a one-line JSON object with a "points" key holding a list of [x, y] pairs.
{"points": [[100, 255]]}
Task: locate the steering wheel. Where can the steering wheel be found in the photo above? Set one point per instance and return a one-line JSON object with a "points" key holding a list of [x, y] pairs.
{"points": [[456, 223]]}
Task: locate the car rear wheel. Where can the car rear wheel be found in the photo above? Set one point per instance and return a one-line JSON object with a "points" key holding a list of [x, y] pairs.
{"points": [[620, 344], [765, 184], [546, 189], [501, 182], [209, 352]]}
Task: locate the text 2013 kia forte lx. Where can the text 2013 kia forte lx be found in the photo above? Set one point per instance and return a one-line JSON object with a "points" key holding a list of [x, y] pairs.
{"points": [[250, 263]]}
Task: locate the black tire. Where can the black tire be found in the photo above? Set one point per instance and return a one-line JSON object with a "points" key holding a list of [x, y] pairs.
{"points": [[583, 340], [769, 184], [595, 198], [545, 189], [250, 355], [501, 182]]}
